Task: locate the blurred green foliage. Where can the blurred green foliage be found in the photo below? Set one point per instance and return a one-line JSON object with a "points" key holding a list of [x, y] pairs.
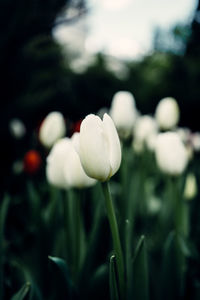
{"points": [[35, 79]]}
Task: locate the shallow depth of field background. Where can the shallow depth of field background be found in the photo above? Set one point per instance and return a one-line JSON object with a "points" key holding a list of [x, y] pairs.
{"points": [[44, 70]]}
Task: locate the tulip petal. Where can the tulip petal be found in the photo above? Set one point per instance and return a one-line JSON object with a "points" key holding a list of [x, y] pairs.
{"points": [[73, 171], [94, 153], [55, 162], [113, 143]]}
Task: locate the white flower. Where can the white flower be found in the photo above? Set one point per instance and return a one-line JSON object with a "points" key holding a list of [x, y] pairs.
{"points": [[123, 112], [184, 134], [171, 154], [55, 164], [196, 141], [17, 128], [190, 190], [64, 168], [167, 113], [52, 129], [100, 151], [145, 131], [75, 138]]}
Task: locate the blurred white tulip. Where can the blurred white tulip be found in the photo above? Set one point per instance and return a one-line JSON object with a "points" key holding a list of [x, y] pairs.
{"points": [[196, 141], [137, 146], [171, 154], [154, 205], [55, 164], [145, 131], [17, 128], [52, 129], [184, 134], [123, 112], [75, 138], [167, 113], [102, 111], [190, 190], [100, 151], [64, 168]]}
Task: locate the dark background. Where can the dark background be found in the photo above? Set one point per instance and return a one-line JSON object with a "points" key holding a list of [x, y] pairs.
{"points": [[35, 77]]}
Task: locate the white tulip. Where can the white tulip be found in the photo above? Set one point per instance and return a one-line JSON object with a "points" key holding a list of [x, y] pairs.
{"points": [[190, 190], [75, 138], [55, 164], [17, 128], [151, 141], [144, 131], [171, 154], [100, 151], [64, 168], [184, 134], [73, 170], [123, 112], [154, 205], [196, 141], [52, 129], [137, 146], [167, 113]]}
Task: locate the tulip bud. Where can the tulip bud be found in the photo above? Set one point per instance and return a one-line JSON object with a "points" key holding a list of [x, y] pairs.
{"points": [[52, 129], [17, 128], [171, 154], [100, 151], [64, 169], [123, 112], [196, 141], [145, 131], [167, 113], [190, 190]]}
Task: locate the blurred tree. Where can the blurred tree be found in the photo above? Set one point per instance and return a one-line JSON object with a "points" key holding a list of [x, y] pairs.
{"points": [[33, 75]]}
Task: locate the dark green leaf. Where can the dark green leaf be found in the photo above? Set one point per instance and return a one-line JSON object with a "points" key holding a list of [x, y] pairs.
{"points": [[140, 281], [173, 267], [114, 293], [3, 214], [64, 275], [21, 294]]}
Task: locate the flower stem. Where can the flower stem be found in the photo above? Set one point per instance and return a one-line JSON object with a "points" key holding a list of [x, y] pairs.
{"points": [[77, 231], [67, 225], [116, 239]]}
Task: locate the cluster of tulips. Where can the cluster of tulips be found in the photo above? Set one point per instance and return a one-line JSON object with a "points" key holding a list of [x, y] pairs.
{"points": [[147, 203]]}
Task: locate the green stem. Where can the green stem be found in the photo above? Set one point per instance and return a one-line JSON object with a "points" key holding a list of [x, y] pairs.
{"points": [[67, 225], [178, 206], [115, 237], [77, 232]]}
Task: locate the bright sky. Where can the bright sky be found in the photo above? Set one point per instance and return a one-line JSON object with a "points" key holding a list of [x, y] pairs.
{"points": [[125, 28]]}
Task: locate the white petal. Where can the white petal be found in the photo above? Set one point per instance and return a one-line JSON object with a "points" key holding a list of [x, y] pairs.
{"points": [[52, 129], [74, 173], [94, 154], [113, 143], [76, 141], [55, 163]]}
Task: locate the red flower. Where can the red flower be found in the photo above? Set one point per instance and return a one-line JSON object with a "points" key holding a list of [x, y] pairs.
{"points": [[32, 162]]}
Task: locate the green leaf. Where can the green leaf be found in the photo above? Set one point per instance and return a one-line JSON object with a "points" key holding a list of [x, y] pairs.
{"points": [[21, 294], [64, 274], [114, 293], [3, 214], [173, 267], [140, 281], [98, 283]]}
